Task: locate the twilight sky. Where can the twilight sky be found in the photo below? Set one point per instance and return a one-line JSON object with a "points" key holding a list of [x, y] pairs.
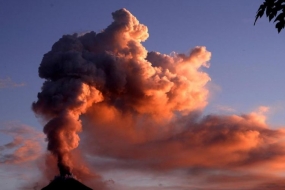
{"points": [[246, 96]]}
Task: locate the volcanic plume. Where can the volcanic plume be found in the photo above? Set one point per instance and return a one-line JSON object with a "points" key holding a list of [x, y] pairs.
{"points": [[135, 105], [111, 67]]}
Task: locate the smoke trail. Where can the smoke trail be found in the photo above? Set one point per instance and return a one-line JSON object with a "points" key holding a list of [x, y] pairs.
{"points": [[112, 67], [61, 101]]}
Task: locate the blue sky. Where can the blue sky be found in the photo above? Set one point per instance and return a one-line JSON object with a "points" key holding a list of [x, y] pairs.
{"points": [[247, 64]]}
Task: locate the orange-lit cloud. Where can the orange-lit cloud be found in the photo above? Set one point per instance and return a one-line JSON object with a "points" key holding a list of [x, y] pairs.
{"points": [[212, 141], [113, 68], [25, 146], [142, 110]]}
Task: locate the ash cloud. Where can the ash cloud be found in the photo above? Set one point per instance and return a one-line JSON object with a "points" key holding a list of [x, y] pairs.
{"points": [[112, 68], [214, 141], [143, 109]]}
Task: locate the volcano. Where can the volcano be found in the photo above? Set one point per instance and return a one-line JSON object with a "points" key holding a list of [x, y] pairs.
{"points": [[65, 183]]}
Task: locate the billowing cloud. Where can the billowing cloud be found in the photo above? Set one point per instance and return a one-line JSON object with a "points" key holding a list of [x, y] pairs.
{"points": [[143, 110], [113, 68]]}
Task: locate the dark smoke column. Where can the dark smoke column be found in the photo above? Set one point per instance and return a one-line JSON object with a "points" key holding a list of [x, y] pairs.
{"points": [[81, 70], [65, 95]]}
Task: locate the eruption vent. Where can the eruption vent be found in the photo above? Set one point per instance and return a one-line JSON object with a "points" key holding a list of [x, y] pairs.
{"points": [[66, 184]]}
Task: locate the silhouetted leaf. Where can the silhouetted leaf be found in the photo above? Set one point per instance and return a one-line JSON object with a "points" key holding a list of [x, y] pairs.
{"points": [[272, 8], [271, 16], [260, 12], [280, 17], [269, 6], [280, 26], [278, 6]]}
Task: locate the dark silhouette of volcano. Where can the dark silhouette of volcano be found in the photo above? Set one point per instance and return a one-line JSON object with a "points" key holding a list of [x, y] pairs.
{"points": [[65, 183]]}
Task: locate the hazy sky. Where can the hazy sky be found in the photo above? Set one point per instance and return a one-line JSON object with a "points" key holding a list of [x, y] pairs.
{"points": [[246, 71]]}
